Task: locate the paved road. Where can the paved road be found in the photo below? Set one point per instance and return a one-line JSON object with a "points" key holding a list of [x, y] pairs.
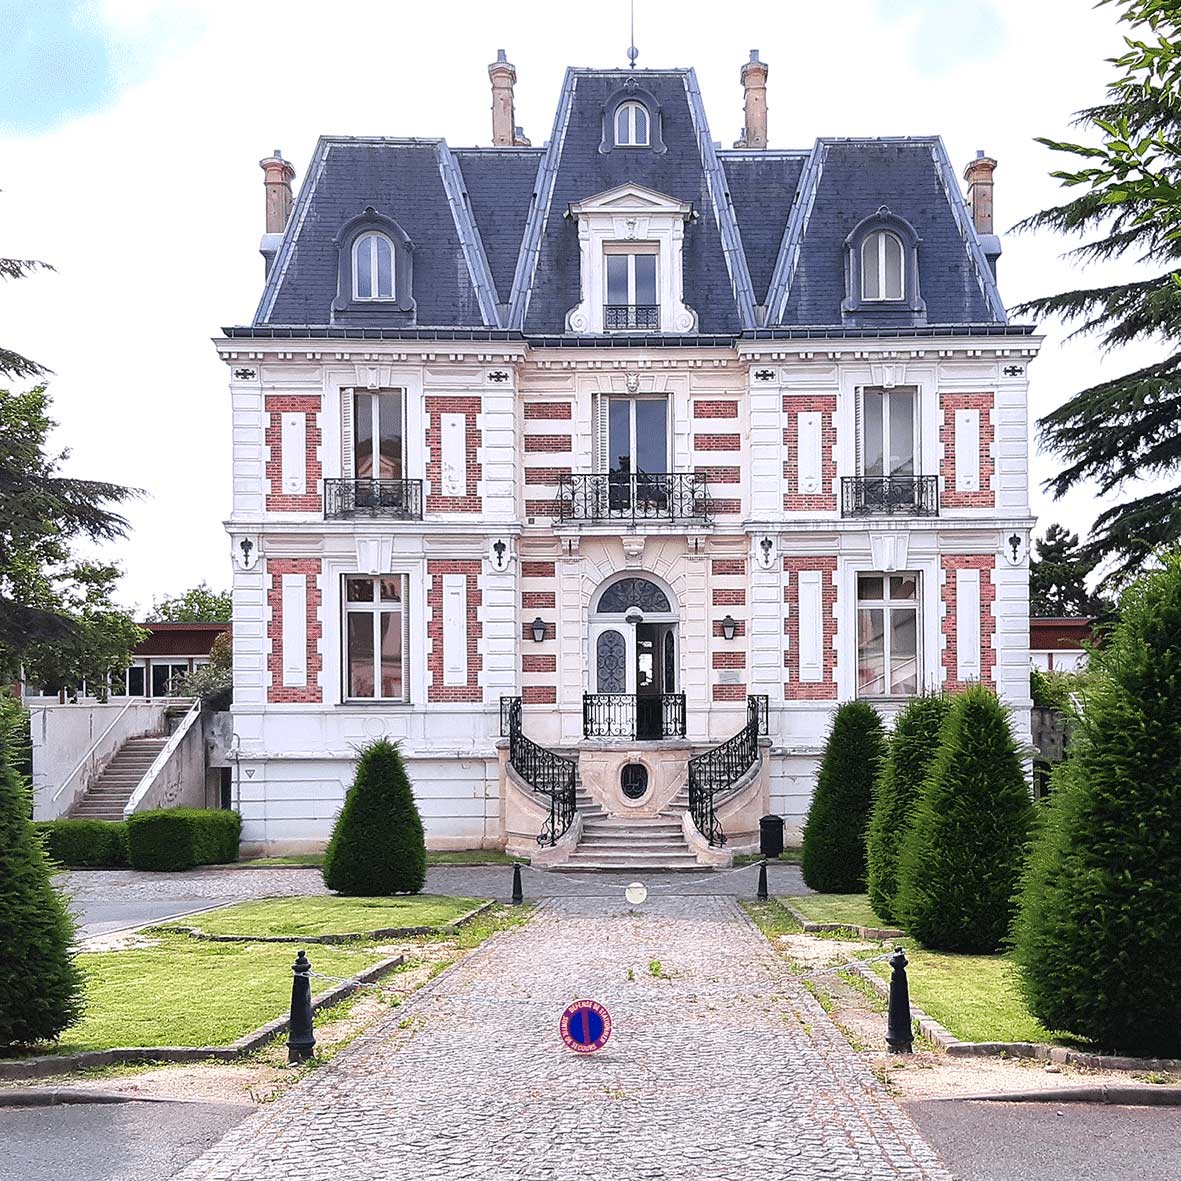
{"points": [[110, 1142], [720, 1066], [1053, 1142]]}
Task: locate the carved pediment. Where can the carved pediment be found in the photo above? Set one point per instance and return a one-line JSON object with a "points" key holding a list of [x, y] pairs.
{"points": [[631, 199]]}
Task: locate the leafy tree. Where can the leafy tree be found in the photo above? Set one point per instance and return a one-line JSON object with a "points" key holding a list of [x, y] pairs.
{"points": [[833, 856], [213, 682], [377, 844], [909, 751], [1097, 935], [197, 605], [40, 986], [1058, 576], [965, 847], [1129, 203]]}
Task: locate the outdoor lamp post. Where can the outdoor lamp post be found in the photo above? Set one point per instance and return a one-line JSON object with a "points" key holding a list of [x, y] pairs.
{"points": [[538, 626], [729, 627]]}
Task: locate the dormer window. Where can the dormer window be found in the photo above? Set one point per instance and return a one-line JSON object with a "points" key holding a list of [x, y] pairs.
{"points": [[883, 268], [373, 267], [631, 125], [632, 299]]}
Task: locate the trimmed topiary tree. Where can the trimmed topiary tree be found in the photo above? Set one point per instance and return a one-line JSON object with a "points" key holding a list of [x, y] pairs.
{"points": [[40, 986], [833, 857], [963, 853], [1098, 932], [377, 844], [910, 750]]}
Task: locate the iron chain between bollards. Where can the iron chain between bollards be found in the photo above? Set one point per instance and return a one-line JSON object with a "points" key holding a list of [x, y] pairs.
{"points": [[899, 1028], [300, 1039]]}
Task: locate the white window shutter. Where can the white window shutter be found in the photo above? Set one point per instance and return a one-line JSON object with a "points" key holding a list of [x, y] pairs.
{"points": [[809, 460], [967, 450], [347, 451], [857, 416], [454, 629], [967, 625], [294, 449], [599, 430], [295, 629], [811, 625], [453, 448]]}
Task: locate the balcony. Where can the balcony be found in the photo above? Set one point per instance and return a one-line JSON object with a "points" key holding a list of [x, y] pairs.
{"points": [[399, 500], [643, 317], [890, 496], [640, 496], [639, 716]]}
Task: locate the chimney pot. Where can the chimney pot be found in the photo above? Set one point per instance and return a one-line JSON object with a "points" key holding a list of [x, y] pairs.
{"points": [[504, 77], [277, 177], [754, 85], [978, 174]]}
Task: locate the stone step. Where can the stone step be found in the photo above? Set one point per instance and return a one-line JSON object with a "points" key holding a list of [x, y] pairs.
{"points": [[633, 864], [645, 826]]}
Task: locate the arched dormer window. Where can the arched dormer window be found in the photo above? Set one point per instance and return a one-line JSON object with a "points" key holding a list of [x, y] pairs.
{"points": [[375, 271], [883, 267], [631, 125], [373, 267], [882, 271]]}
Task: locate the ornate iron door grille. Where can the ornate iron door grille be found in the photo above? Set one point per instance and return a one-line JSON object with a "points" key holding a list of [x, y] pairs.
{"points": [[400, 499]]}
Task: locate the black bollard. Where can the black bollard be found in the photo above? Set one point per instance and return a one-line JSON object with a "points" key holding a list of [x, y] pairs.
{"points": [[518, 893], [762, 894], [300, 1039], [899, 1030]]}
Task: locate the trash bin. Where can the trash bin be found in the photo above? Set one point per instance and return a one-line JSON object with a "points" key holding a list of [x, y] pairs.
{"points": [[771, 836]]}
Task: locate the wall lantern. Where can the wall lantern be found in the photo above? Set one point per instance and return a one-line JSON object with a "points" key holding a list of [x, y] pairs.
{"points": [[538, 626], [729, 627]]}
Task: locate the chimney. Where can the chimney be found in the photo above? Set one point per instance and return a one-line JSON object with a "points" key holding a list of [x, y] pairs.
{"points": [[754, 84], [505, 132], [978, 174], [277, 178]]}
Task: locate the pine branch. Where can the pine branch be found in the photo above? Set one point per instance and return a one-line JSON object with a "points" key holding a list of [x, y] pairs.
{"points": [[14, 365], [1131, 534], [18, 268]]}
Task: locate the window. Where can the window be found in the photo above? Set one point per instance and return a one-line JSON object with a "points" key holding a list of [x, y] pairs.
{"points": [[887, 635], [888, 428], [637, 435], [378, 435], [883, 272], [136, 682], [373, 267], [631, 297], [375, 627], [166, 676], [631, 125]]}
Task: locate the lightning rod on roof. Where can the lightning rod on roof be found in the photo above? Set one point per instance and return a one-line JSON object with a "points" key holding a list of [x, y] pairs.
{"points": [[632, 51]]}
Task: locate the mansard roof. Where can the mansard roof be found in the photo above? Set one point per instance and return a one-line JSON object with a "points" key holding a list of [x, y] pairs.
{"points": [[496, 248]]}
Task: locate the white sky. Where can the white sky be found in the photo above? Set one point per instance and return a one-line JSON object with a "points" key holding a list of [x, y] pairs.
{"points": [[150, 204]]}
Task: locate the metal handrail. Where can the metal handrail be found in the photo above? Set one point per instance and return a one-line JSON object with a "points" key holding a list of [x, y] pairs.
{"points": [[400, 499], [85, 761], [629, 715], [634, 496], [547, 773], [712, 772], [908, 496]]}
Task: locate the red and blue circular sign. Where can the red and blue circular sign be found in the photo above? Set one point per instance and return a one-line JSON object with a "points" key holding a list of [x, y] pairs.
{"points": [[585, 1026]]}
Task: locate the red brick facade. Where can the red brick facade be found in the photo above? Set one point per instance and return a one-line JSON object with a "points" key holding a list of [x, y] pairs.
{"points": [[436, 689], [277, 500], [794, 500], [538, 600], [540, 662], [719, 475], [539, 694], [729, 597], [548, 443], [537, 569], [729, 693], [717, 442], [728, 566], [729, 659], [705, 408], [949, 404], [276, 690], [985, 563], [436, 502], [545, 475], [794, 689], [550, 410]]}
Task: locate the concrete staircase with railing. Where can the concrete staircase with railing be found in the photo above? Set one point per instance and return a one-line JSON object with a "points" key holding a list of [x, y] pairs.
{"points": [[106, 797], [626, 843]]}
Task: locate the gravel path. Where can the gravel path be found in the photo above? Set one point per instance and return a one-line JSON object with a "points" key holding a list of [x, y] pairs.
{"points": [[720, 1066]]}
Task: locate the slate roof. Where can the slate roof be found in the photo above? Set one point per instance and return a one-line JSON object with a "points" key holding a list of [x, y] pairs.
{"points": [[495, 251]]}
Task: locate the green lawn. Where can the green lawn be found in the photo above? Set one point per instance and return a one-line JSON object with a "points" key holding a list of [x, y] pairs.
{"points": [[791, 856], [447, 857], [183, 992], [332, 915], [852, 909]]}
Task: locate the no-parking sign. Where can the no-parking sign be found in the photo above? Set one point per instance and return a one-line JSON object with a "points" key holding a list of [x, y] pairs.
{"points": [[585, 1026]]}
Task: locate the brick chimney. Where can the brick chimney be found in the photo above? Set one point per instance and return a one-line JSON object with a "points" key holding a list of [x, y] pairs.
{"points": [[978, 174], [505, 132], [277, 178], [754, 85]]}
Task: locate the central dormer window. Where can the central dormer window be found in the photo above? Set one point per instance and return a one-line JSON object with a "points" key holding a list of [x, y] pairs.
{"points": [[883, 267], [631, 296], [373, 267], [631, 125]]}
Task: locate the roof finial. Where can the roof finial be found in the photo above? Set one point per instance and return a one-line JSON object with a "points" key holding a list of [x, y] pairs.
{"points": [[632, 51]]}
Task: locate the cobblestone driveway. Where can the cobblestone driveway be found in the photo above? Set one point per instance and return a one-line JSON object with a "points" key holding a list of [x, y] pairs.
{"points": [[719, 1067]]}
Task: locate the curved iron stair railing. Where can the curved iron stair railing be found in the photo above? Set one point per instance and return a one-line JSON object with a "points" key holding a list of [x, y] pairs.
{"points": [[548, 774], [713, 771]]}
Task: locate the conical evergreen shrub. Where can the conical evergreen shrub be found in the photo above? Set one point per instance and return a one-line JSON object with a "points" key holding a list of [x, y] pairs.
{"points": [[1098, 933], [833, 857], [964, 850], [40, 986], [377, 844], [910, 750]]}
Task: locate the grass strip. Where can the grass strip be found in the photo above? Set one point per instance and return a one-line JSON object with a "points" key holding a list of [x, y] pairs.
{"points": [[853, 910]]}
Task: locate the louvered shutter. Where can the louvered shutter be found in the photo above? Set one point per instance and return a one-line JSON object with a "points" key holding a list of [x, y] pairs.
{"points": [[599, 441], [858, 399], [347, 451]]}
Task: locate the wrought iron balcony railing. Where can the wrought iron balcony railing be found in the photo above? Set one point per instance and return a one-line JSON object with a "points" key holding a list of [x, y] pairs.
{"points": [[640, 496], [400, 499], [642, 316], [633, 715], [550, 775], [903, 496], [717, 770]]}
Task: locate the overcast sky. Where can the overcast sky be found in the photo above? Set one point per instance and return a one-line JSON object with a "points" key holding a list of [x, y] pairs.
{"points": [[131, 130]]}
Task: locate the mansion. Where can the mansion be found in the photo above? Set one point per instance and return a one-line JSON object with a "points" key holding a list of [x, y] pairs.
{"points": [[597, 473]]}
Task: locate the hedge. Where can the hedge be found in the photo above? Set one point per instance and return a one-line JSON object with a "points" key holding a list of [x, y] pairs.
{"points": [[180, 838], [91, 843]]}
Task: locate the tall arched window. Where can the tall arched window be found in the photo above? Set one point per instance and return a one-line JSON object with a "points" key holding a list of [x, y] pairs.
{"points": [[373, 267], [883, 267], [631, 125]]}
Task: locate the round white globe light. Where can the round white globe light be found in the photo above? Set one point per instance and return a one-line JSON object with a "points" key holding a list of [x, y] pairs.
{"points": [[636, 893]]}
